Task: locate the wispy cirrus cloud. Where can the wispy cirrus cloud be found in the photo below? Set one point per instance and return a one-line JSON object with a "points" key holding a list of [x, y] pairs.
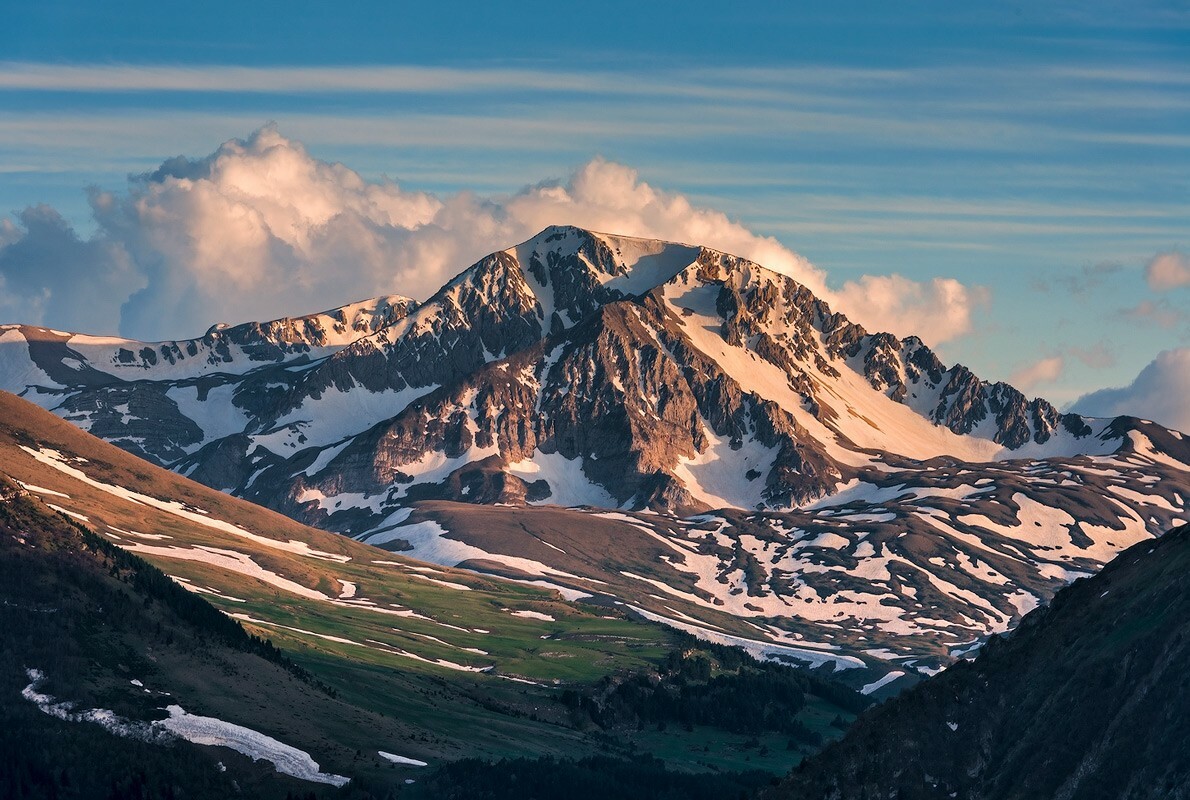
{"points": [[817, 83], [1160, 313]]}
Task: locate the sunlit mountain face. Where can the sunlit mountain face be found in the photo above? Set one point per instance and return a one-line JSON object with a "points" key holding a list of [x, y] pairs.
{"points": [[665, 425]]}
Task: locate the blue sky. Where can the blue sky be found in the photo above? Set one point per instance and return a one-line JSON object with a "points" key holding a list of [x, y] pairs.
{"points": [[1040, 156]]}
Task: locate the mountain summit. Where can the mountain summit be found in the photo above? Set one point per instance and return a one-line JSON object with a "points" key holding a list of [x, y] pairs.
{"points": [[576, 368], [758, 456]]}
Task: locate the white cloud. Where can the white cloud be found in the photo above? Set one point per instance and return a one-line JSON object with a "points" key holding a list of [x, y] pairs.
{"points": [[260, 229], [1168, 271], [1045, 370], [1161, 392], [936, 311]]}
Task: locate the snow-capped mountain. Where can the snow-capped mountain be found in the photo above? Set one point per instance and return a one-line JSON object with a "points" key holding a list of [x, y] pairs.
{"points": [[758, 463], [162, 400]]}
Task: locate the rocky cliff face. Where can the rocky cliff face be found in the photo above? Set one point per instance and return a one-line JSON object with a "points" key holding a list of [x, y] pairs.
{"points": [[647, 372], [584, 369]]}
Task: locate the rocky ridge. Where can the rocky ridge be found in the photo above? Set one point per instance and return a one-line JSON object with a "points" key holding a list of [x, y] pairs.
{"points": [[796, 458]]}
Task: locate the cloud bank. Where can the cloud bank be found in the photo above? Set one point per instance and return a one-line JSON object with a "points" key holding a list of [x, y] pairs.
{"points": [[1161, 393], [260, 229]]}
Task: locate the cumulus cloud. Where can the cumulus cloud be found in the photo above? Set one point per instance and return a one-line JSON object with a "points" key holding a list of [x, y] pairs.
{"points": [[1161, 392], [48, 273], [936, 311], [1168, 271], [1045, 370], [260, 229]]}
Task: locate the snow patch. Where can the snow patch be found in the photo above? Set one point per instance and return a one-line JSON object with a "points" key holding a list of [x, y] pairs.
{"points": [[569, 485], [404, 760], [887, 679], [287, 760]]}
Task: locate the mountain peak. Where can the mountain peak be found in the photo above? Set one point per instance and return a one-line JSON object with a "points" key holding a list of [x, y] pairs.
{"points": [[623, 265], [781, 451]]}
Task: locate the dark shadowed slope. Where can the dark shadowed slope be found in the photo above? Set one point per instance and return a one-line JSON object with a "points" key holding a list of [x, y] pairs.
{"points": [[1089, 698], [87, 626]]}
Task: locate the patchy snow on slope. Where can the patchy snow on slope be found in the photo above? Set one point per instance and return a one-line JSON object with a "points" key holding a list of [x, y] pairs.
{"points": [[17, 367], [58, 461], [648, 262], [64, 710], [866, 418], [325, 456], [102, 354], [434, 466], [763, 650], [286, 759], [695, 305], [430, 543], [461, 587], [718, 476], [69, 513], [190, 586], [216, 415], [42, 490], [1062, 443], [337, 414], [1145, 452], [887, 679], [566, 592], [857, 491], [230, 560]]}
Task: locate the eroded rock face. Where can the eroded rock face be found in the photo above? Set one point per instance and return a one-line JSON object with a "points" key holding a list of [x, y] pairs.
{"points": [[576, 367], [774, 470]]}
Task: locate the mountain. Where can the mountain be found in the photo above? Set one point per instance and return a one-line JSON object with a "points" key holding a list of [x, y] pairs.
{"points": [[388, 668], [656, 424], [1086, 699], [138, 394]]}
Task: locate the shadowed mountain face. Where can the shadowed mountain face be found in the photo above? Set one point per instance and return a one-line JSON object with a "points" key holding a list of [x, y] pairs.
{"points": [[758, 466], [1086, 699], [86, 624]]}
